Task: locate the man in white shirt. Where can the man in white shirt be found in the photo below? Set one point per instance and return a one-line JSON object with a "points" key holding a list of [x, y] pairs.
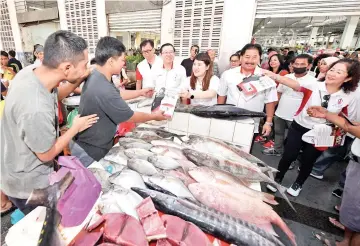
{"points": [[229, 92], [289, 102], [169, 75], [145, 69]]}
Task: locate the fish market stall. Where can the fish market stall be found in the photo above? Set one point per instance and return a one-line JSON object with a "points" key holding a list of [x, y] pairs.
{"points": [[161, 186]]}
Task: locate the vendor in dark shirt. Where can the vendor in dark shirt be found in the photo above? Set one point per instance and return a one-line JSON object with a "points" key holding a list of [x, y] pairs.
{"points": [[101, 97], [188, 63]]}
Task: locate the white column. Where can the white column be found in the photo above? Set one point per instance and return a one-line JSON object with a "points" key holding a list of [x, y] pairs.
{"points": [[167, 23], [14, 25], [312, 37], [101, 18], [62, 14], [235, 36], [349, 31]]}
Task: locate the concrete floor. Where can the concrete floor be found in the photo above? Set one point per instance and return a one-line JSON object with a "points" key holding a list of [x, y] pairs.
{"points": [[315, 194]]}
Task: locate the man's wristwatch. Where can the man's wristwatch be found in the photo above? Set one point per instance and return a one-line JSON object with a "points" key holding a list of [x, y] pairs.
{"points": [[269, 123]]}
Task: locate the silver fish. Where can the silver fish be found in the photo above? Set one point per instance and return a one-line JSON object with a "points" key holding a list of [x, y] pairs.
{"points": [[111, 167], [142, 167], [138, 145], [102, 176], [241, 170], [219, 225], [163, 162], [126, 140], [127, 178], [171, 184], [160, 132], [108, 203], [169, 143], [167, 151], [127, 200], [138, 153], [116, 154], [146, 136]]}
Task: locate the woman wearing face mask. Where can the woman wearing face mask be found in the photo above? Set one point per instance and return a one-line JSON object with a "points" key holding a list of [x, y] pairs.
{"points": [[334, 95], [324, 66], [276, 65], [201, 88]]}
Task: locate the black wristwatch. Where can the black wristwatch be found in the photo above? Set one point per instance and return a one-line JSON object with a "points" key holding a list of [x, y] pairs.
{"points": [[192, 97]]}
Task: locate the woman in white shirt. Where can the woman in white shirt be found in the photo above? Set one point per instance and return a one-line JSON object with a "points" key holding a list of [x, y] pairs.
{"points": [[201, 88], [334, 95]]}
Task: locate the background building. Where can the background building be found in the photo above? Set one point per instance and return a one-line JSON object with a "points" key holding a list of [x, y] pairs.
{"points": [[222, 25]]}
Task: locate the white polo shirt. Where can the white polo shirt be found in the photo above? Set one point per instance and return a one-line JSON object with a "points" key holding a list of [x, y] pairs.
{"points": [[146, 74], [314, 96], [290, 100], [214, 85], [172, 79], [228, 87]]}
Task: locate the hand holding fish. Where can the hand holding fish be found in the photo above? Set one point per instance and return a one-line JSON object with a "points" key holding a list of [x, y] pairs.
{"points": [[266, 130], [147, 92], [317, 112], [85, 122]]}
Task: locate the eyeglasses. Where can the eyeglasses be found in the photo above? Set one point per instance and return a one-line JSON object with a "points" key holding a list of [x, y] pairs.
{"points": [[168, 53], [325, 103], [146, 51]]}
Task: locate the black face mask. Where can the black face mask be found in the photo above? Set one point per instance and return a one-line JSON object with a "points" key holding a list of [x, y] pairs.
{"points": [[300, 70]]}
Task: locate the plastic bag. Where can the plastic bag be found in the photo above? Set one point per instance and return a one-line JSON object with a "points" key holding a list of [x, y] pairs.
{"points": [[71, 116], [80, 197]]}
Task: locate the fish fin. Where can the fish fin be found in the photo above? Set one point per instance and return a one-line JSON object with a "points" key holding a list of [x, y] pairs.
{"points": [[269, 199], [49, 196], [283, 226], [268, 228], [282, 190]]}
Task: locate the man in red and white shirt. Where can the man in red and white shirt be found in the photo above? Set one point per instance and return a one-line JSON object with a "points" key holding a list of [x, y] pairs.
{"points": [[229, 93], [145, 69]]}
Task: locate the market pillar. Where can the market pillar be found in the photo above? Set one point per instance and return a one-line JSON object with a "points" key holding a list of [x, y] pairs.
{"points": [[167, 23], [349, 31], [15, 27], [312, 38], [237, 26]]}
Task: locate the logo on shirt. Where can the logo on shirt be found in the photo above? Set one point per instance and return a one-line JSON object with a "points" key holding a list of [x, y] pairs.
{"points": [[340, 101]]}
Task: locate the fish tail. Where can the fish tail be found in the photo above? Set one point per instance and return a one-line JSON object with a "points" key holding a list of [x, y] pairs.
{"points": [[282, 190], [282, 225], [269, 199]]}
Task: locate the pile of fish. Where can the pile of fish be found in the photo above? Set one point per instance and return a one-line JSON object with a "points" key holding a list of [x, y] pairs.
{"points": [[203, 181], [219, 111]]}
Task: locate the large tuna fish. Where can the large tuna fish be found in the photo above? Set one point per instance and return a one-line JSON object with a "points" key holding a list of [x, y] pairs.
{"points": [[218, 224], [242, 207]]}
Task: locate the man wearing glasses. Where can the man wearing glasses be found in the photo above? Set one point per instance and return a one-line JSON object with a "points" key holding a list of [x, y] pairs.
{"points": [[170, 75], [145, 69], [188, 63]]}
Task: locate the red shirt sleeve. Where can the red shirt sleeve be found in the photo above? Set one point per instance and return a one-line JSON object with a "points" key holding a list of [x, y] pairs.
{"points": [[138, 75]]}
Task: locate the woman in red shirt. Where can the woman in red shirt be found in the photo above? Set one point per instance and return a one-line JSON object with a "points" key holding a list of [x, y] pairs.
{"points": [[276, 65]]}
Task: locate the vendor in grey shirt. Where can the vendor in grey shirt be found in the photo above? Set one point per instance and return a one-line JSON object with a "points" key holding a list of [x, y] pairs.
{"points": [[100, 96], [29, 125]]}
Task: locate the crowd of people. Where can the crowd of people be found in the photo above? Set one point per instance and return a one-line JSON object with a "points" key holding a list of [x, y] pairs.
{"points": [[303, 94]]}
